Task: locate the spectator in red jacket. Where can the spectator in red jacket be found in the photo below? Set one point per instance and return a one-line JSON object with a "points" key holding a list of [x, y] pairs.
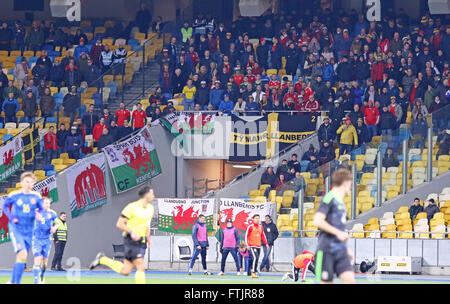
{"points": [[122, 114], [371, 119], [139, 118], [377, 71], [51, 145], [98, 130], [312, 105]]}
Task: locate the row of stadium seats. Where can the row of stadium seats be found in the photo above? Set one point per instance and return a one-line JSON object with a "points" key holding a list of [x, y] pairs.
{"points": [[386, 226]]}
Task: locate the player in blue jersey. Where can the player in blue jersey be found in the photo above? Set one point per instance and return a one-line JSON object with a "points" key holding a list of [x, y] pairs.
{"points": [[42, 233], [22, 207]]}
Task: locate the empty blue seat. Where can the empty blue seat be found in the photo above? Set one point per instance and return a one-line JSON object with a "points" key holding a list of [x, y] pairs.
{"points": [[51, 120], [48, 167], [7, 137], [50, 172], [48, 48], [133, 42], [415, 158]]}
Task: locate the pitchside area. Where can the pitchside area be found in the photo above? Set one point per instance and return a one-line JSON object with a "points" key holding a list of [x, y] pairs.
{"points": [[168, 277]]}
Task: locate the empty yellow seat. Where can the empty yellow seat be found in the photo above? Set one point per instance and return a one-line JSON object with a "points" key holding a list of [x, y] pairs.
{"points": [[57, 161], [389, 235]]}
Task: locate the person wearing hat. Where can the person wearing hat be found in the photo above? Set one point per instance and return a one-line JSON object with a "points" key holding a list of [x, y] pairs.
{"points": [[73, 144], [326, 132], [226, 105], [252, 108], [349, 137], [238, 78], [229, 243], [80, 49]]}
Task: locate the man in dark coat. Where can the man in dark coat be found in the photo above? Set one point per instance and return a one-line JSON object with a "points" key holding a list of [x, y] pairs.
{"points": [[271, 233], [415, 209]]}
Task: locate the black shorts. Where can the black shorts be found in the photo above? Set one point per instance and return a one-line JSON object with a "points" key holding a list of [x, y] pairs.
{"points": [[332, 263], [133, 250]]}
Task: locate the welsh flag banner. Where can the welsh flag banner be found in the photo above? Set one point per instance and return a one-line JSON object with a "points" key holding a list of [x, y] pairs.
{"points": [[134, 161], [4, 235], [241, 211], [86, 184], [173, 125], [197, 122], [11, 158], [48, 187], [178, 215]]}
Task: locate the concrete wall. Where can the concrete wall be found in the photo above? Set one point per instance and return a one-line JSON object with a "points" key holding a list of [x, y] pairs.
{"points": [[95, 230], [251, 181]]}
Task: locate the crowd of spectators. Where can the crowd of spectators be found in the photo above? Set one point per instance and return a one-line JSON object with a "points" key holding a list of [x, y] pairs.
{"points": [[366, 76]]}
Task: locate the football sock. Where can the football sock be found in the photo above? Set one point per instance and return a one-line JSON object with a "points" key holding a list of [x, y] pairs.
{"points": [[36, 272], [18, 270], [44, 267], [114, 265], [140, 277]]}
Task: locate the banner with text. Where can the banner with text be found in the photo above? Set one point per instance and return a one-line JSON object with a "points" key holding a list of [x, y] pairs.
{"points": [[4, 235], [133, 161], [241, 211], [178, 215], [266, 136], [86, 184], [11, 158], [48, 187]]}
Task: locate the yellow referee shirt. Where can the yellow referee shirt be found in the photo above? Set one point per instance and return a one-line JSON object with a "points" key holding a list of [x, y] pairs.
{"points": [[139, 218]]}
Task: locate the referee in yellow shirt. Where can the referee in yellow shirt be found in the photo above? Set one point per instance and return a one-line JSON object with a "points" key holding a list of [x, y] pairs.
{"points": [[134, 221]]}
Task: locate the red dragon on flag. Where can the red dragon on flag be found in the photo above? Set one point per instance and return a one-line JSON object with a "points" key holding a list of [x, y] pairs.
{"points": [[140, 158], [241, 220], [8, 159], [184, 218]]}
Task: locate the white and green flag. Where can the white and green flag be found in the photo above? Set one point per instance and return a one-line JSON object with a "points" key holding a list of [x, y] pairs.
{"points": [[48, 187], [178, 215], [133, 161], [11, 158]]}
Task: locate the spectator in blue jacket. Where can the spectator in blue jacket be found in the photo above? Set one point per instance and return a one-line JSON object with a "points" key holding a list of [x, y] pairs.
{"points": [[10, 107], [201, 244], [252, 108], [216, 95], [226, 105], [73, 144], [80, 49]]}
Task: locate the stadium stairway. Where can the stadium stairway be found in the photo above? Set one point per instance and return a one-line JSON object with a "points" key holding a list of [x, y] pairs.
{"points": [[421, 191], [133, 91]]}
